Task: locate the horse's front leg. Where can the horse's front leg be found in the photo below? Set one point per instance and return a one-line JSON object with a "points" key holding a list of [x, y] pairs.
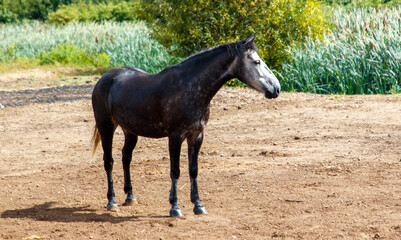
{"points": [[175, 142], [194, 144]]}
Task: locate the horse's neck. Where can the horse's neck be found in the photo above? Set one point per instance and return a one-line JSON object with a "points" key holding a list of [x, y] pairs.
{"points": [[210, 73]]}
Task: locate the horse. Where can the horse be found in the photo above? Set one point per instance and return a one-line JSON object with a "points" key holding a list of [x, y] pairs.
{"points": [[173, 103]]}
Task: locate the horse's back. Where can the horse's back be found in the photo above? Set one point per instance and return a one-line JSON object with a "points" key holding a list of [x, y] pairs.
{"points": [[116, 76], [113, 77]]}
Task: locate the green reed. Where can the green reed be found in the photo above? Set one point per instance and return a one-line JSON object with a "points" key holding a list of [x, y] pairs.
{"points": [[126, 44], [361, 55]]}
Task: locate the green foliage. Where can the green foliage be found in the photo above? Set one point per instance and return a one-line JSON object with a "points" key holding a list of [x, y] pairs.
{"points": [[362, 55], [125, 44], [8, 53], [94, 1], [17, 10], [71, 55], [7, 16], [31, 9], [235, 83], [188, 26], [362, 3], [289, 23], [87, 12]]}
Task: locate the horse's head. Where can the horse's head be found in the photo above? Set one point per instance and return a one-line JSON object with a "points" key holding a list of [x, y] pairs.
{"points": [[254, 72]]}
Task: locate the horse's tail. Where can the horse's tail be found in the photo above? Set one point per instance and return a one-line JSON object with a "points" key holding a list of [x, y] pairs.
{"points": [[95, 140], [101, 110]]}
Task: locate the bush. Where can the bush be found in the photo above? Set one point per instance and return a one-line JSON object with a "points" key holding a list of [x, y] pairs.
{"points": [[6, 16], [88, 12], [68, 54], [8, 53], [17, 10], [189, 26], [32, 9]]}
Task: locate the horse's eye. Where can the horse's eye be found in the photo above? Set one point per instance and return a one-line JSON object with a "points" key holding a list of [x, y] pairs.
{"points": [[257, 62]]}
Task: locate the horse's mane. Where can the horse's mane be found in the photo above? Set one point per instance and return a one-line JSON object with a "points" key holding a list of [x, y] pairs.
{"points": [[234, 48]]}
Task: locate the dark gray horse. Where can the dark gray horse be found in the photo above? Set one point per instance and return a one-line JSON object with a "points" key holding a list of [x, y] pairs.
{"points": [[173, 103]]}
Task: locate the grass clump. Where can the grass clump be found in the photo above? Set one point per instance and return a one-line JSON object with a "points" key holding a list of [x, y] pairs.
{"points": [[125, 44], [362, 55], [70, 55]]}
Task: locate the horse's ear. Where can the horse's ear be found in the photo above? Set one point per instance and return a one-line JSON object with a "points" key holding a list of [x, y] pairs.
{"points": [[249, 41]]}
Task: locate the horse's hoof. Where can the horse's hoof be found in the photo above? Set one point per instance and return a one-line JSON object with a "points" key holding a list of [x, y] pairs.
{"points": [[113, 207], [198, 210], [130, 202], [176, 212]]}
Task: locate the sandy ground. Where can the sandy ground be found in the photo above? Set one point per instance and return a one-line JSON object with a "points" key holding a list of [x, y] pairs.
{"points": [[302, 166]]}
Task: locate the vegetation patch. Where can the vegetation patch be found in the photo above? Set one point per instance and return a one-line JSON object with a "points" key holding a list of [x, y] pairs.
{"points": [[185, 27], [125, 44], [68, 54], [88, 12], [319, 46], [362, 55]]}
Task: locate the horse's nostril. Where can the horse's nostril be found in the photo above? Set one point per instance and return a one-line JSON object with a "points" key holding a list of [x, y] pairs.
{"points": [[278, 91]]}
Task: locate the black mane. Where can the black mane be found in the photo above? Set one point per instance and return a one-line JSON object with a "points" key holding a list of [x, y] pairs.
{"points": [[234, 48]]}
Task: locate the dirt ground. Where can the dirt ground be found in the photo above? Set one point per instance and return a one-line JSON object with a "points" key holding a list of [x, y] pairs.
{"points": [[302, 166]]}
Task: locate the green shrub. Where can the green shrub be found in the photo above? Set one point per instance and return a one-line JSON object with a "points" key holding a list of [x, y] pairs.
{"points": [[17, 10], [88, 12], [68, 54], [8, 53], [189, 26], [32, 9], [289, 23], [7, 16], [3, 57]]}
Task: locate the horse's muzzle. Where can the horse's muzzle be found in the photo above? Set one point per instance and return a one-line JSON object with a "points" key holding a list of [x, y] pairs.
{"points": [[273, 94]]}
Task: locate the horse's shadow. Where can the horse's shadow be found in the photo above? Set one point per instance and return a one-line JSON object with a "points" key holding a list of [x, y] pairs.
{"points": [[45, 212]]}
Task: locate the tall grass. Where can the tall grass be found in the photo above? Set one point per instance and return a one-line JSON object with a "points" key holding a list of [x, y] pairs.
{"points": [[126, 44], [361, 55]]}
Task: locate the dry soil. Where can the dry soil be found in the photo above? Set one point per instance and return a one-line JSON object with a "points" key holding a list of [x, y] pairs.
{"points": [[302, 166]]}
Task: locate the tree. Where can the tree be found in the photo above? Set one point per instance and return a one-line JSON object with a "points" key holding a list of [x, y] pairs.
{"points": [[188, 26]]}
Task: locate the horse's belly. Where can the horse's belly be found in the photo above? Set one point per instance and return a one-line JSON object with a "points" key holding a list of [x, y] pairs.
{"points": [[152, 130], [139, 116]]}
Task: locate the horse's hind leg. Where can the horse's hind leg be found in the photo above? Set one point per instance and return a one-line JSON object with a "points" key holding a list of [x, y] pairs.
{"points": [[130, 143], [106, 132], [194, 144]]}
